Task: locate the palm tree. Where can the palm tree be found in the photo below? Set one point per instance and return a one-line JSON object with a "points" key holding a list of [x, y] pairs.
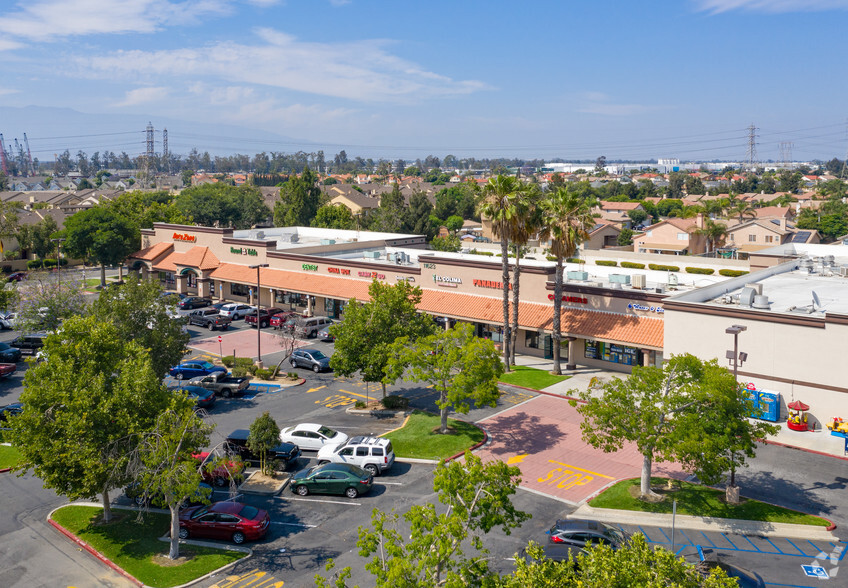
{"points": [[741, 210], [525, 225], [501, 195], [713, 231], [566, 221]]}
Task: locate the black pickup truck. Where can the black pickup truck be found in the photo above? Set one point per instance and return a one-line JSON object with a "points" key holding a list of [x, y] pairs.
{"points": [[221, 384], [284, 453], [209, 318]]}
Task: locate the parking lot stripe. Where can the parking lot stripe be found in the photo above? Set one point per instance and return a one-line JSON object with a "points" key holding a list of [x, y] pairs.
{"points": [[777, 549], [293, 524], [355, 394], [731, 542], [752, 544], [664, 535], [392, 483], [581, 469], [707, 538], [801, 551], [686, 537], [325, 501]]}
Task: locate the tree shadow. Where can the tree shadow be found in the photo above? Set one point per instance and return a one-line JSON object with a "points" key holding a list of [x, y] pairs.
{"points": [[520, 432], [767, 487]]}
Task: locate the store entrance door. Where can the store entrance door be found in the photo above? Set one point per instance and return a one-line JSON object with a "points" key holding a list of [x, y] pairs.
{"points": [[549, 347]]}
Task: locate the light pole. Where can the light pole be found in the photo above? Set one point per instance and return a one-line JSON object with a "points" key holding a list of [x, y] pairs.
{"points": [[258, 322], [58, 241], [735, 358]]}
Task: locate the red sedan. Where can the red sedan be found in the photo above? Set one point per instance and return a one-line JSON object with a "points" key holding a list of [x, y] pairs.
{"points": [[224, 520]]}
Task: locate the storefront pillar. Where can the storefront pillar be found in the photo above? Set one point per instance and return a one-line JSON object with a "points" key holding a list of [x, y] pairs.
{"points": [[646, 357], [310, 301], [203, 287], [182, 283], [220, 291], [570, 365]]}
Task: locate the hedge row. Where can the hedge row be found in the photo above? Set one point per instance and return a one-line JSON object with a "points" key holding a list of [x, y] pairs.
{"points": [[606, 262], [663, 268], [631, 265], [700, 270], [44, 263], [732, 273], [487, 253], [575, 260]]}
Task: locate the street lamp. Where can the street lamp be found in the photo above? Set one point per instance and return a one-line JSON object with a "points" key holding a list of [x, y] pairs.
{"points": [[734, 357], [58, 241], [258, 322]]}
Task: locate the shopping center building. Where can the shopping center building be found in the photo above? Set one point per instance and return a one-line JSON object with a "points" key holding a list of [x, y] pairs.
{"points": [[611, 318]]}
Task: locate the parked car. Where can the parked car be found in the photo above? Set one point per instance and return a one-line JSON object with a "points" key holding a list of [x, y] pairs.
{"points": [[16, 276], [311, 436], [192, 369], [9, 354], [217, 306], [7, 369], [221, 384], [29, 344], [744, 577], [224, 520], [309, 327], [286, 453], [190, 302], [203, 398], [141, 498], [235, 311], [8, 320], [313, 359], [264, 318], [10, 410], [325, 334], [332, 478], [281, 318], [374, 454], [209, 318], [579, 533], [221, 474]]}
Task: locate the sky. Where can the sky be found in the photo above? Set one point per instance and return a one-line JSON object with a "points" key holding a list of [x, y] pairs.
{"points": [[545, 79]]}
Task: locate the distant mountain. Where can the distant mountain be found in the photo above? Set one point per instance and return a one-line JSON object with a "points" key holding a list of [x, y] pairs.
{"points": [[52, 130]]}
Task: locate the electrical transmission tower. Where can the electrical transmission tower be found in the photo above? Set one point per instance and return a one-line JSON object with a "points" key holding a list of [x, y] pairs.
{"points": [[148, 154], [785, 150], [751, 156], [165, 155]]}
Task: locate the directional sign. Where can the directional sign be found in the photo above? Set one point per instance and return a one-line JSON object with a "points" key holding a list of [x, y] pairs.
{"points": [[220, 339], [815, 572]]}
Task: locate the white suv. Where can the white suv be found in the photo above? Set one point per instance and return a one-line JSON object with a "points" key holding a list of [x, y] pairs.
{"points": [[235, 310], [373, 454]]}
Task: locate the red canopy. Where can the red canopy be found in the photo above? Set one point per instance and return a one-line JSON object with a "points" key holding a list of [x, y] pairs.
{"points": [[798, 405]]}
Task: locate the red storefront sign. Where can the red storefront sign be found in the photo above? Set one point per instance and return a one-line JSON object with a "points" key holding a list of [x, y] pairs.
{"points": [[185, 237], [577, 299], [490, 284], [336, 270]]}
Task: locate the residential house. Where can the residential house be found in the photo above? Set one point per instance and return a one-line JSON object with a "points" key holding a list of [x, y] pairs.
{"points": [[757, 234], [672, 236], [604, 234]]}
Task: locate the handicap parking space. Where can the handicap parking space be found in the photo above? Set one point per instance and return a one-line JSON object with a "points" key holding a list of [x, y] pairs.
{"points": [[541, 435]]}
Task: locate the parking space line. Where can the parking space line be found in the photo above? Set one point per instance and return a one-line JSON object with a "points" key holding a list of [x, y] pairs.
{"points": [[664, 535], [731, 542], [392, 483], [707, 538], [795, 546], [773, 545], [324, 501], [294, 524], [752, 544], [691, 543]]}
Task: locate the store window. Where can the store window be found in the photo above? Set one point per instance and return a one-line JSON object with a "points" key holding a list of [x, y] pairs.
{"points": [[493, 332], [531, 340], [613, 353], [239, 290], [167, 277], [191, 280]]}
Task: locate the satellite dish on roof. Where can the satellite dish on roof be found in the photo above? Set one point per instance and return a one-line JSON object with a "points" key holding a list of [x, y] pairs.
{"points": [[816, 302]]}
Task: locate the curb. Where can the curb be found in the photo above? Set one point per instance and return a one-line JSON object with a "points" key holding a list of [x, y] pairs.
{"points": [[274, 492], [246, 550], [542, 392], [822, 453], [764, 529], [4, 470]]}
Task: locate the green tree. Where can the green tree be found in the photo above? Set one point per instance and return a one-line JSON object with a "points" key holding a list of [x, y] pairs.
{"points": [[44, 299], [143, 209], [676, 181], [186, 176], [38, 237], [454, 223], [426, 548], [635, 564], [136, 308], [714, 232], [417, 216], [661, 410], [299, 200], [566, 221], [789, 181], [832, 226], [458, 365], [220, 204], [163, 464], [742, 210], [334, 216], [100, 235], [526, 223], [637, 215], [389, 217], [8, 224], [694, 186], [364, 338], [625, 237], [263, 437], [449, 243], [84, 408]]}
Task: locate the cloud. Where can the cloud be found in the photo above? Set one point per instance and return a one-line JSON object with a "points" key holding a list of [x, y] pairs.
{"points": [[771, 6], [144, 95], [600, 103], [339, 2], [8, 45], [7, 91], [46, 20], [357, 70]]}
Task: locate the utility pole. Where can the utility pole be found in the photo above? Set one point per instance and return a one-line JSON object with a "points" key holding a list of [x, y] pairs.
{"points": [[165, 154], [751, 156]]}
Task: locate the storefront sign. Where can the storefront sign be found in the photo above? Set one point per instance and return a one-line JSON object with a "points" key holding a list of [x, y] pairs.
{"points": [[636, 306], [185, 237], [373, 275], [490, 284], [308, 267], [404, 278], [429, 266], [337, 270], [243, 251], [578, 299], [447, 281]]}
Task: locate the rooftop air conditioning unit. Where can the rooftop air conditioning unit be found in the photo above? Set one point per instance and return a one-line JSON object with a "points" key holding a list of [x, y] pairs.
{"points": [[660, 289], [746, 298], [761, 302], [619, 279], [579, 276], [757, 286], [260, 235], [372, 255], [843, 271], [673, 279], [639, 281], [328, 241], [390, 257]]}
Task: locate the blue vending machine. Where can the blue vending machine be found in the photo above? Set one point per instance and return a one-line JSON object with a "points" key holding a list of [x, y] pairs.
{"points": [[768, 404]]}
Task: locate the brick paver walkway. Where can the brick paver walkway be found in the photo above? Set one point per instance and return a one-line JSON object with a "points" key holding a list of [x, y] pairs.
{"points": [[244, 343], [556, 462]]}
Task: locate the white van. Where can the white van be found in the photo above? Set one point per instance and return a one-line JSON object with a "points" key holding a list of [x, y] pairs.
{"points": [[309, 327]]}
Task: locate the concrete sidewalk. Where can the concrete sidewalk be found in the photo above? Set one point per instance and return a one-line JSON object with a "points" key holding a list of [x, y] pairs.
{"points": [[820, 441]]}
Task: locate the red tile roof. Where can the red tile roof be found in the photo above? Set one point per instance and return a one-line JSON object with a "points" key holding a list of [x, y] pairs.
{"points": [[197, 257], [152, 252]]}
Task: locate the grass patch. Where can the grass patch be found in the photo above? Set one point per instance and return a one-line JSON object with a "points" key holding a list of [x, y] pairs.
{"points": [[420, 437], [698, 500], [531, 377], [9, 457], [133, 545]]}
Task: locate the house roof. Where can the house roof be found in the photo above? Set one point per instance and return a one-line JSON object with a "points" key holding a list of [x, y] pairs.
{"points": [[153, 252], [607, 205], [196, 257], [774, 212]]}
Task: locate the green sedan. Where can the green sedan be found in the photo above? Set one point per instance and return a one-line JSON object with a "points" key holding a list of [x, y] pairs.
{"points": [[332, 478]]}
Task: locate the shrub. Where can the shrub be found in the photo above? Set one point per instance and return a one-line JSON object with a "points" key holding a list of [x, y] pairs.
{"points": [[359, 404], [606, 262], [631, 265], [394, 402], [663, 268], [551, 257], [700, 270], [731, 273], [575, 260], [48, 263], [34, 264], [486, 253], [293, 376], [239, 372], [242, 362]]}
